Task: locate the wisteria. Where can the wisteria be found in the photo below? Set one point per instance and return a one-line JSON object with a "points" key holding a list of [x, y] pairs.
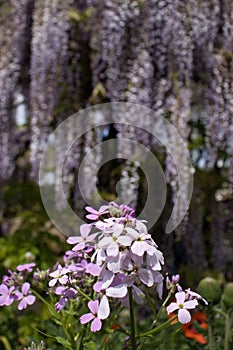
{"points": [[15, 26], [48, 70], [171, 56]]}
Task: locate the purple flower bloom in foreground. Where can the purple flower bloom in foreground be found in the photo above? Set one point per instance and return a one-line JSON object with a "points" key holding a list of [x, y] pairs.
{"points": [[66, 294], [59, 276], [195, 295], [99, 311], [113, 242], [140, 245], [182, 306], [81, 241], [175, 279], [26, 267], [6, 296], [94, 214], [24, 297]]}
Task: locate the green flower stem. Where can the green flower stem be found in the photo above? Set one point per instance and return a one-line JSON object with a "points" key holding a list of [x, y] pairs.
{"points": [[227, 332], [151, 303], [84, 294], [211, 345], [162, 306], [82, 338], [53, 312], [132, 320], [57, 316], [157, 329]]}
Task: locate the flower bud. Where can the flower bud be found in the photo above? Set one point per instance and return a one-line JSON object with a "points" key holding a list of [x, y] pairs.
{"points": [[227, 297], [175, 279], [210, 289]]}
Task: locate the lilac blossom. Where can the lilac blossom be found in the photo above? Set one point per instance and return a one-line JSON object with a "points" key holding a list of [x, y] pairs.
{"points": [[25, 297], [99, 311]]}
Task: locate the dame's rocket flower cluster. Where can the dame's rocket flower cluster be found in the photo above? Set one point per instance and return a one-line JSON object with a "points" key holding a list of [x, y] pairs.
{"points": [[13, 288], [122, 253], [112, 254], [184, 300]]}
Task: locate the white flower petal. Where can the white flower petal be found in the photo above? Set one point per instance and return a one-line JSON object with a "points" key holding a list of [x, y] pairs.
{"points": [[104, 309], [113, 249], [137, 248], [184, 316], [74, 240], [172, 307], [146, 277], [180, 297], [52, 282], [103, 243], [124, 240], [133, 233], [117, 292], [190, 304]]}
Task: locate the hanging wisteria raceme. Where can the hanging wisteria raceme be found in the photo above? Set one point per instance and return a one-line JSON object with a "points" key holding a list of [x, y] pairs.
{"points": [[219, 107], [205, 23], [14, 33], [48, 70], [179, 107], [111, 36], [227, 21], [169, 55]]}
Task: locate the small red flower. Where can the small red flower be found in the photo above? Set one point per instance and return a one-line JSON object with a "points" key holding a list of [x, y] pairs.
{"points": [[189, 329]]}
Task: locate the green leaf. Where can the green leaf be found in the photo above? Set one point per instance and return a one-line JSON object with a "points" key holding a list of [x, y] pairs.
{"points": [[91, 345], [64, 342]]}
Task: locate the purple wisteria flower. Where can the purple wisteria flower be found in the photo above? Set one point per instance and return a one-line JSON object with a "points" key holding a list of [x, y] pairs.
{"points": [[99, 311], [25, 297], [182, 306], [6, 295]]}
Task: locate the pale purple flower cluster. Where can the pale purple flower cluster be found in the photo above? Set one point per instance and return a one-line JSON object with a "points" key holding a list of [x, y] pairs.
{"points": [[112, 254], [119, 252], [185, 300], [13, 288]]}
